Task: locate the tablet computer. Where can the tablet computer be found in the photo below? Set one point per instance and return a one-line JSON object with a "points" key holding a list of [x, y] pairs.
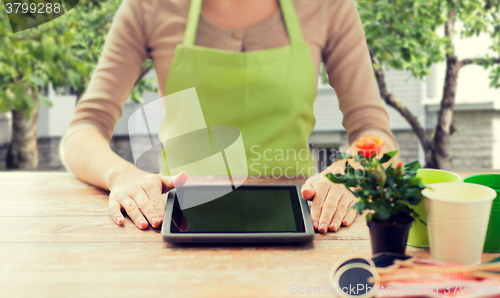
{"points": [[248, 214]]}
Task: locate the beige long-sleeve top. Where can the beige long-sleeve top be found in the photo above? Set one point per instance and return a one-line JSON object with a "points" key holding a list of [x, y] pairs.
{"points": [[150, 29]]}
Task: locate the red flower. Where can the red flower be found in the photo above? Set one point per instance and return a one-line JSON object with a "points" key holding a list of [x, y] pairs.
{"points": [[369, 146]]}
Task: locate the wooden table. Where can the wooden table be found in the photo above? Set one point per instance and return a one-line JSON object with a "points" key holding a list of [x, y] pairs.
{"points": [[57, 240]]}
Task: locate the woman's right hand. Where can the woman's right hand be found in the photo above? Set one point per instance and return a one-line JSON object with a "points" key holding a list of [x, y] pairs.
{"points": [[140, 195]]}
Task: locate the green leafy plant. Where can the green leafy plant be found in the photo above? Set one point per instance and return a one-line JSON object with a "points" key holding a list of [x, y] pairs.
{"points": [[388, 193]]}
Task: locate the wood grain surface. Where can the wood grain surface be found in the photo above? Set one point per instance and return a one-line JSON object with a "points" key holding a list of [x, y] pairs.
{"points": [[57, 240]]}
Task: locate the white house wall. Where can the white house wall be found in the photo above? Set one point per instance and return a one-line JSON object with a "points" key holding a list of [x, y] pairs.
{"points": [[408, 90], [52, 122]]}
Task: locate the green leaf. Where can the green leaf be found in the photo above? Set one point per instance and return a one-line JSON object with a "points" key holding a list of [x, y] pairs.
{"points": [[360, 173], [74, 78], [414, 181], [343, 155], [68, 37], [136, 97], [371, 163], [348, 168], [387, 156], [414, 200], [337, 178], [29, 101], [37, 80], [404, 203], [406, 54], [383, 213], [49, 47], [412, 166], [46, 101], [359, 207], [390, 171], [351, 182]]}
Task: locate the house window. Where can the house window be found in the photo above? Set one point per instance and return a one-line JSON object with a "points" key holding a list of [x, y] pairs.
{"points": [[65, 91], [323, 155]]}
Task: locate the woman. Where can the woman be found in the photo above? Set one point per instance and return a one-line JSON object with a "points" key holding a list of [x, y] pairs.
{"points": [[255, 66]]}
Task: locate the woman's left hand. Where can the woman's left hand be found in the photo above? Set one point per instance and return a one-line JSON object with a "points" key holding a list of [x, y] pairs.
{"points": [[331, 205]]}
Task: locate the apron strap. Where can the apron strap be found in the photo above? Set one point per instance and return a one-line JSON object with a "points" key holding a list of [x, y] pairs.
{"points": [[291, 21], [287, 10], [192, 23]]}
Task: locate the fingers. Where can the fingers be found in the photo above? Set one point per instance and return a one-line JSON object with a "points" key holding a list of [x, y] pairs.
{"points": [[322, 187], [139, 194], [331, 204], [330, 207], [153, 191], [115, 212], [133, 205], [349, 218], [147, 208], [134, 213], [341, 211], [308, 190], [171, 182]]}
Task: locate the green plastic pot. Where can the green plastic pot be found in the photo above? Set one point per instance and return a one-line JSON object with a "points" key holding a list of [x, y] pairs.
{"points": [[418, 236], [492, 243]]}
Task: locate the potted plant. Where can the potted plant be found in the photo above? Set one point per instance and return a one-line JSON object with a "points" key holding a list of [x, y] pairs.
{"points": [[387, 193]]}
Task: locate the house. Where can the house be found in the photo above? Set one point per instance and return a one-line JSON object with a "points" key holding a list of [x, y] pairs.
{"points": [[474, 144]]}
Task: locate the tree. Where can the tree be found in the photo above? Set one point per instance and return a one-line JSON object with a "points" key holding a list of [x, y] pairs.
{"points": [[62, 52], [28, 60], [403, 34], [95, 18]]}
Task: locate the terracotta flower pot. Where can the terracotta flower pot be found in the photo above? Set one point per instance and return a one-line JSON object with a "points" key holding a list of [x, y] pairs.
{"points": [[389, 236]]}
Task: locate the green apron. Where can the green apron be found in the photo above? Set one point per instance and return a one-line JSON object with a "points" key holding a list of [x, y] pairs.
{"points": [[268, 95]]}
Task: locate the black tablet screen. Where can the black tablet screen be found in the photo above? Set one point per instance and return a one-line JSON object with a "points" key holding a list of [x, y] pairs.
{"points": [[248, 209]]}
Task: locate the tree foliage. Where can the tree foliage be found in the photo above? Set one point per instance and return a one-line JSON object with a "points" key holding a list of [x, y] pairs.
{"points": [[409, 34], [63, 52], [31, 58], [403, 34], [95, 18], [413, 35]]}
